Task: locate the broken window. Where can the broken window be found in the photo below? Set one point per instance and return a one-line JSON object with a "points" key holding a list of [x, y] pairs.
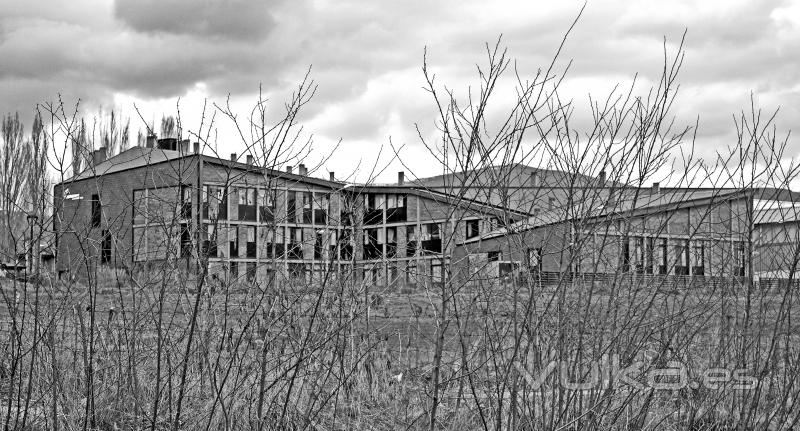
{"points": [[431, 238], [321, 208], [215, 203], [266, 206], [391, 241], [247, 204], [411, 241]]}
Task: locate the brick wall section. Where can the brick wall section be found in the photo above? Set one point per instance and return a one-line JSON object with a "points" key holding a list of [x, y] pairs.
{"points": [[78, 239]]}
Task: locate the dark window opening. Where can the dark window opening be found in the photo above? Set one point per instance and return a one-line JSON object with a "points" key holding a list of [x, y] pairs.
{"points": [[431, 238], [97, 211], [626, 255], [186, 241], [291, 210], [273, 239], [105, 252], [649, 257], [373, 244], [251, 241], [215, 203], [321, 209], [234, 269], [493, 256], [681, 257], [346, 218], [318, 244], [210, 241], [295, 243], [740, 261], [233, 241], [346, 245], [473, 228], [391, 242], [395, 208], [698, 258], [186, 203], [247, 204], [266, 207], [411, 241], [308, 211], [373, 211], [638, 254], [663, 267]]}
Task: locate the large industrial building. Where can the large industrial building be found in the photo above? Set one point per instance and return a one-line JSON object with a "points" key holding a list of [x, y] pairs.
{"points": [[168, 202]]}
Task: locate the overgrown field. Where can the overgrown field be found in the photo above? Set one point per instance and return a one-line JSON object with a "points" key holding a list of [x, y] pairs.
{"points": [[494, 355]]}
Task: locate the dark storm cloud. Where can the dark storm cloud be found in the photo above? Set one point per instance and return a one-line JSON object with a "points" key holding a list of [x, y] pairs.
{"points": [[230, 19]]}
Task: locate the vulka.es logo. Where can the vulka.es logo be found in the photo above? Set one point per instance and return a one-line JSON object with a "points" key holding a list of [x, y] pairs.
{"points": [[607, 373]]}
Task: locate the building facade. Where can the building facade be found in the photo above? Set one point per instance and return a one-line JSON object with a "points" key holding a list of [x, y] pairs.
{"points": [[705, 233], [166, 203]]}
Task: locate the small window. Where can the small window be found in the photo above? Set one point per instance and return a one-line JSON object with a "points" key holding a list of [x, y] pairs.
{"points": [[97, 211], [473, 228], [493, 256]]}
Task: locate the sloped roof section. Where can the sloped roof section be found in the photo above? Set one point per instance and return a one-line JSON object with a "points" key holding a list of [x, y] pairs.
{"points": [[787, 214], [132, 158], [631, 203]]}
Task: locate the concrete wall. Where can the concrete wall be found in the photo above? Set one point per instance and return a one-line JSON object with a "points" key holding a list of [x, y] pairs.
{"points": [[712, 234]]}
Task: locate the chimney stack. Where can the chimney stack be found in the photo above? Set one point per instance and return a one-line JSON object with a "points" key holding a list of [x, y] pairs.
{"points": [[332, 176], [249, 159], [602, 177], [302, 169], [656, 188], [184, 146], [233, 157], [170, 144], [99, 156], [196, 148], [289, 169], [401, 178], [150, 142]]}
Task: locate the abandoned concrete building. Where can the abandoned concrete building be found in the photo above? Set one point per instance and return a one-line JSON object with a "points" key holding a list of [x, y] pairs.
{"points": [[677, 232], [166, 201]]}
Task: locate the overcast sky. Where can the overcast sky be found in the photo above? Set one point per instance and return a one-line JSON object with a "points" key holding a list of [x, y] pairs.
{"points": [[367, 57]]}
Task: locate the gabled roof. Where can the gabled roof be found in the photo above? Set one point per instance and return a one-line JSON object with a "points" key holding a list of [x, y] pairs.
{"points": [[131, 158], [138, 157]]}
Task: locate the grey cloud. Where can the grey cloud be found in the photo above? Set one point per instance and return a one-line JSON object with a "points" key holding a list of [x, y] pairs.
{"points": [[225, 19], [157, 50]]}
